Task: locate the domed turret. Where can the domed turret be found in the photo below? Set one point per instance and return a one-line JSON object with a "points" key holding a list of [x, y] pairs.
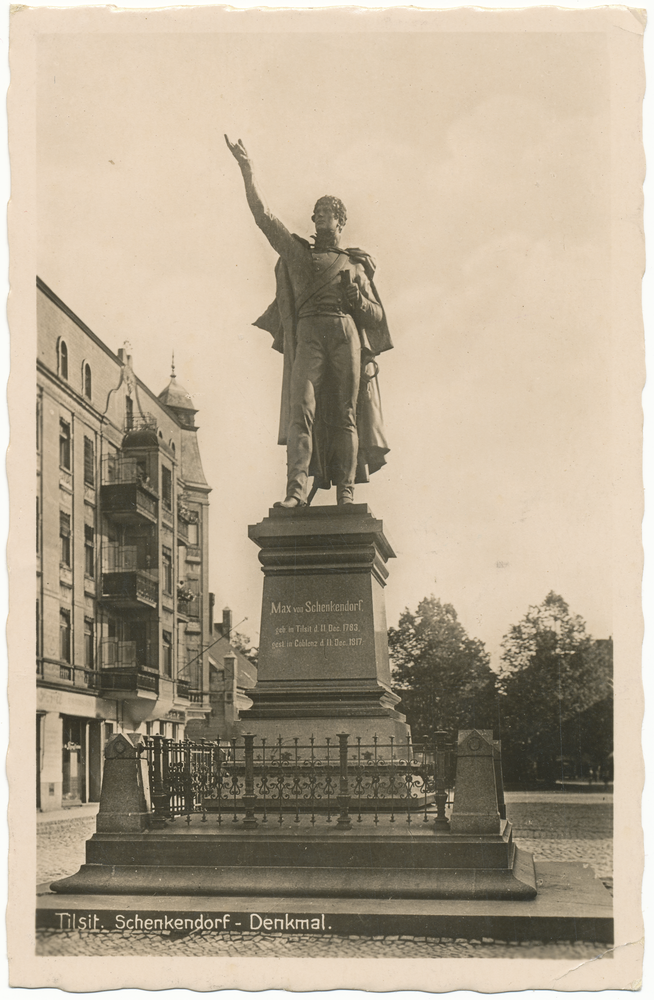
{"points": [[145, 437], [176, 398]]}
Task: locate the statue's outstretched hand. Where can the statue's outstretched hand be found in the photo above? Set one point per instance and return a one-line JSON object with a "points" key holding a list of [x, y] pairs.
{"points": [[238, 151]]}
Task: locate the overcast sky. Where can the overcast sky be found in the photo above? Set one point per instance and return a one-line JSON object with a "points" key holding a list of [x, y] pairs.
{"points": [[474, 169]]}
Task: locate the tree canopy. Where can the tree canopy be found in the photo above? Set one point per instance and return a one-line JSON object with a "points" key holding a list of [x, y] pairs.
{"points": [[441, 673], [551, 673]]}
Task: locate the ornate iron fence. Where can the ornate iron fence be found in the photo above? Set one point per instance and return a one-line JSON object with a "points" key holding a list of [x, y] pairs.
{"points": [[250, 782]]}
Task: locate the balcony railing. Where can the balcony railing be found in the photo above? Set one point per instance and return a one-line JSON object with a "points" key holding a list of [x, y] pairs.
{"points": [[68, 674], [123, 469], [129, 680], [131, 589], [130, 654], [127, 490], [190, 608], [127, 502], [146, 422], [119, 558], [183, 688]]}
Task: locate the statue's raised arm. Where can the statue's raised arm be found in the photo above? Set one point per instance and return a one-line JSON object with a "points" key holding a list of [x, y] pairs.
{"points": [[255, 199], [238, 151], [328, 322], [276, 232]]}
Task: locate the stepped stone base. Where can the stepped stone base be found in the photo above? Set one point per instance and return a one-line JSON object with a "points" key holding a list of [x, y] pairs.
{"points": [[325, 709], [359, 862], [571, 905]]}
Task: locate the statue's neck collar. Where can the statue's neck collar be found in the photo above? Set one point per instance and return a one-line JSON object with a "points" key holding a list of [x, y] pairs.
{"points": [[325, 242]]}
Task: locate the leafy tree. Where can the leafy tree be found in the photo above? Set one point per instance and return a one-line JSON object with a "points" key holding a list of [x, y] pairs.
{"points": [[442, 675], [551, 672], [244, 645], [587, 737]]}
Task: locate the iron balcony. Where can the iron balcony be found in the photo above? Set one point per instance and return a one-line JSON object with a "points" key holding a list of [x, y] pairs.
{"points": [[129, 502]]}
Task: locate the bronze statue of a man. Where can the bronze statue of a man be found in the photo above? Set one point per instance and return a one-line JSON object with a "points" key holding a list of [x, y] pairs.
{"points": [[329, 323]]}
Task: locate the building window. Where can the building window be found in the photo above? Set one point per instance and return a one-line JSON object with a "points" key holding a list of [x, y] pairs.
{"points": [[63, 359], [142, 471], [38, 425], [89, 550], [89, 643], [38, 525], [64, 535], [167, 661], [38, 628], [64, 635], [167, 560], [88, 383], [193, 533], [166, 487], [129, 413], [89, 462], [64, 445]]}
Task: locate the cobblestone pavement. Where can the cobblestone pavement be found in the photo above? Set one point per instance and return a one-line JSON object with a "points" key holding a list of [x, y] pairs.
{"points": [[60, 847], [60, 852], [561, 818], [597, 853], [205, 943]]}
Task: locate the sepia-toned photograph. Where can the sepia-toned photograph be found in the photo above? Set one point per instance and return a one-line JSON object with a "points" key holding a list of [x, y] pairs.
{"points": [[326, 332]]}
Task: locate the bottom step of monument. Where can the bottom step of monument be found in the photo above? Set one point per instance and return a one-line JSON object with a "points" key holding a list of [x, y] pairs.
{"points": [[571, 905], [385, 883]]}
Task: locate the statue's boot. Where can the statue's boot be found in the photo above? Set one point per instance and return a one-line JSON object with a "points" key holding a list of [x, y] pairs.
{"points": [[344, 494], [290, 502]]}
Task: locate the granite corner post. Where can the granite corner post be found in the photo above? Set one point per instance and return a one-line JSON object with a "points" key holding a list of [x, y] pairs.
{"points": [[476, 807], [125, 795]]}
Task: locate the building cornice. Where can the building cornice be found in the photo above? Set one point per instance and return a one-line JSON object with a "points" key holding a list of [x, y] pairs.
{"points": [[80, 400], [42, 287]]}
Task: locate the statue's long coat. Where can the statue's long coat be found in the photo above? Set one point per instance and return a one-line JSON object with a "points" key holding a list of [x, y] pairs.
{"points": [[280, 320]]}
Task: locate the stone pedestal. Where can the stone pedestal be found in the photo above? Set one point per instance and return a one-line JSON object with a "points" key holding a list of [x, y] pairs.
{"points": [[323, 656]]}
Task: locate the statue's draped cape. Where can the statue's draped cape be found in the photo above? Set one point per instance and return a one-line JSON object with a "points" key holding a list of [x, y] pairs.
{"points": [[280, 319]]}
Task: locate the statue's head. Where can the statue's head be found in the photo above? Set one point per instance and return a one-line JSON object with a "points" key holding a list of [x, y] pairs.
{"points": [[329, 214]]}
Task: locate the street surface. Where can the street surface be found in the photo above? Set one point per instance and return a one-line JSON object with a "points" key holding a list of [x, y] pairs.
{"points": [[553, 826]]}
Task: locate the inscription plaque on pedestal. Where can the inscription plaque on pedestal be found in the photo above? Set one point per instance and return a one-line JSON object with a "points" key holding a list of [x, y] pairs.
{"points": [[323, 655]]}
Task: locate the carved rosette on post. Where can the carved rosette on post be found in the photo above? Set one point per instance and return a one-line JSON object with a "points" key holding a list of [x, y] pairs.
{"points": [[323, 655]]}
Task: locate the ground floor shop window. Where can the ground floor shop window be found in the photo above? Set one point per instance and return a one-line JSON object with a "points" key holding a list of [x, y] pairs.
{"points": [[73, 762]]}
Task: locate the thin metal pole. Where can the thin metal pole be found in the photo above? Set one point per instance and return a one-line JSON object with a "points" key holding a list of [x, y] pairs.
{"points": [[440, 779], [249, 821], [344, 821], [159, 797]]}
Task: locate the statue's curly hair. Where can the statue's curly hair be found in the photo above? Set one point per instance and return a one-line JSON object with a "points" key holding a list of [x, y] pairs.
{"points": [[336, 205]]}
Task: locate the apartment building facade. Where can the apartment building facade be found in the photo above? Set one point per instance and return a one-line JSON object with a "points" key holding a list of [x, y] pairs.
{"points": [[123, 610]]}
